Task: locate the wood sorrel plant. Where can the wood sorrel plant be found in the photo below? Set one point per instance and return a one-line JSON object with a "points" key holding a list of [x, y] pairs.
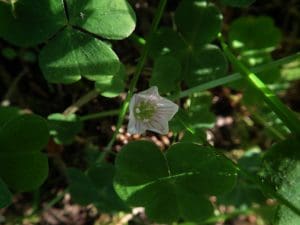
{"points": [[72, 38]]}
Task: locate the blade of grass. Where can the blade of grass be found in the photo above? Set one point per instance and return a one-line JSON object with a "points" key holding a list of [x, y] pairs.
{"points": [[288, 117], [233, 77]]}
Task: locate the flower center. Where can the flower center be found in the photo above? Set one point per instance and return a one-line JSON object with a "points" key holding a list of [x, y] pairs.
{"points": [[144, 111]]}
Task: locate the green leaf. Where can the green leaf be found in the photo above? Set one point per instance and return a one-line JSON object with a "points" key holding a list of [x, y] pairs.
{"points": [[198, 136], [202, 24], [178, 183], [204, 64], [109, 19], [5, 195], [64, 127], [96, 186], [28, 22], [92, 154], [200, 104], [167, 42], [166, 74], [198, 64], [238, 3], [197, 116], [78, 55], [189, 121], [245, 194], [8, 113], [111, 86], [254, 34], [282, 170], [22, 166], [81, 187]]}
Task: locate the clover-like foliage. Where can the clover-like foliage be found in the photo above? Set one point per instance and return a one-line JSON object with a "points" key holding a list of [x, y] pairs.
{"points": [[22, 165], [73, 51], [188, 49], [173, 185], [95, 186]]}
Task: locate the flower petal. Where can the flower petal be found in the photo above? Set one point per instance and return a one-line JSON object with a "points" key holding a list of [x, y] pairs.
{"points": [[166, 108], [158, 125], [152, 91], [135, 126], [133, 102]]}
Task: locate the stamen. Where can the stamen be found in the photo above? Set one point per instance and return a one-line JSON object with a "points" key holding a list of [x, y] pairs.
{"points": [[144, 111]]}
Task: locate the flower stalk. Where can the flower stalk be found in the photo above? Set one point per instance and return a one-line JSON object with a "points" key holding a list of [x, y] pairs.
{"points": [[136, 76]]}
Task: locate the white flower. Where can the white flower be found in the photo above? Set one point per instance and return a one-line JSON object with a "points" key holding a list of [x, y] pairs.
{"points": [[149, 111]]}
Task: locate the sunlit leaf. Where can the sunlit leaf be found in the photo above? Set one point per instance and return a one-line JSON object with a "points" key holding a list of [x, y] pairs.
{"points": [[112, 85], [78, 55], [254, 34], [109, 19]]}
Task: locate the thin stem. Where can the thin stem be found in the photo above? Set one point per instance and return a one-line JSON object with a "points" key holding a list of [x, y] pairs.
{"points": [[56, 199], [36, 200], [122, 114], [284, 113], [48, 205], [138, 72], [13, 87], [95, 116], [234, 77], [80, 102]]}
